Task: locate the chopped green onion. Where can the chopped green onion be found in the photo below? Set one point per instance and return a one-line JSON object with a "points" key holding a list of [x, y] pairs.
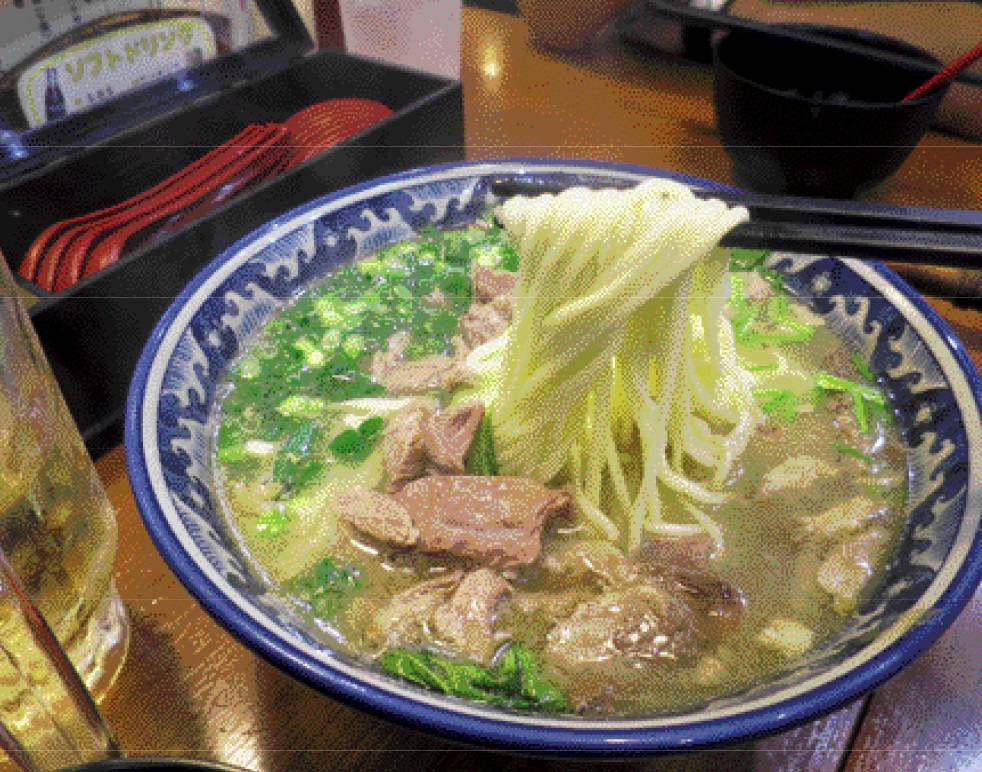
{"points": [[772, 277], [300, 406], [481, 459], [370, 428], [864, 397], [747, 259], [846, 450], [353, 346], [862, 367], [232, 454], [249, 369], [782, 402], [271, 523]]}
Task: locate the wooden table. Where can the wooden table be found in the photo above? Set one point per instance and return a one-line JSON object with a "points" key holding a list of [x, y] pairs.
{"points": [[190, 689]]}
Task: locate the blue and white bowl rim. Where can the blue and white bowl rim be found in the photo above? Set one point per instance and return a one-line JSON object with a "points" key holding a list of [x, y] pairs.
{"points": [[947, 595]]}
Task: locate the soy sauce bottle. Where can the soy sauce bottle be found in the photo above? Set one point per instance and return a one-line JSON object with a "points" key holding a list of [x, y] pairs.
{"points": [[54, 99]]}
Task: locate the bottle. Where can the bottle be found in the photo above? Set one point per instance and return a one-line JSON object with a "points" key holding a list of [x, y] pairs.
{"points": [[54, 99]]}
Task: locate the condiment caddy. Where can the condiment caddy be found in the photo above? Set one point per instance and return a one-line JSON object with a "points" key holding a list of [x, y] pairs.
{"points": [[64, 157]]}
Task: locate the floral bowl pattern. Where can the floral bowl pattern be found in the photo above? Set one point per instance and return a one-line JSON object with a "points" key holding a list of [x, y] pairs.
{"points": [[935, 393]]}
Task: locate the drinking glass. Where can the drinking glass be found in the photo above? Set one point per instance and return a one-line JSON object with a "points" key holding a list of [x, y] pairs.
{"points": [[57, 547], [424, 34]]}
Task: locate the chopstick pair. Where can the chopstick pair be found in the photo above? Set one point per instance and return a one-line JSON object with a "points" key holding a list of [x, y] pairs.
{"points": [[940, 237]]}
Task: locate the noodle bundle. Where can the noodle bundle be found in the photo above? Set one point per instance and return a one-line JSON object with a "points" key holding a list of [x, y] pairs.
{"points": [[620, 349]]}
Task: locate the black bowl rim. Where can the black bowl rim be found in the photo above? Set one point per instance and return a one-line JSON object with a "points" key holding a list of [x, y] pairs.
{"points": [[935, 95]]}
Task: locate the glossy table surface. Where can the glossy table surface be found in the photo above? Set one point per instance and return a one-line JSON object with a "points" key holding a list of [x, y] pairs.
{"points": [[190, 689]]}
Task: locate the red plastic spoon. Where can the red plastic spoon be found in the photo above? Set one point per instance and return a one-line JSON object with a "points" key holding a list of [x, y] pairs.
{"points": [[946, 75], [110, 248], [60, 269], [56, 236]]}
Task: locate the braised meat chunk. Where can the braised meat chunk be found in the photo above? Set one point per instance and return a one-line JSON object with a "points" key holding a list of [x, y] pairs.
{"points": [[399, 375], [421, 441], [496, 521], [618, 636], [490, 283], [466, 621], [453, 610], [481, 323], [378, 516]]}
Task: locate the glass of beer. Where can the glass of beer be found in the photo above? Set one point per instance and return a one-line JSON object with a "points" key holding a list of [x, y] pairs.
{"points": [[57, 549]]}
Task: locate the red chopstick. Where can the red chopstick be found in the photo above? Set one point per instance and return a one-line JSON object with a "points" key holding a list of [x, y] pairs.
{"points": [[948, 74]]}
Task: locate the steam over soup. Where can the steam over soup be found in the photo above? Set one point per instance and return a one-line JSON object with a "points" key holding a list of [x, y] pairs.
{"points": [[584, 462]]}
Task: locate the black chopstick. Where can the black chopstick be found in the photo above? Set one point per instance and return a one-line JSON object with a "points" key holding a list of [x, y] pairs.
{"points": [[940, 237], [700, 17]]}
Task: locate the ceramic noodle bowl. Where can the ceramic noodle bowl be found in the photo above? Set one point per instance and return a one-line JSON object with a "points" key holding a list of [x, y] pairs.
{"points": [[934, 392]]}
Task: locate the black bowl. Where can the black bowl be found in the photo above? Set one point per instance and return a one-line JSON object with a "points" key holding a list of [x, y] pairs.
{"points": [[802, 119]]}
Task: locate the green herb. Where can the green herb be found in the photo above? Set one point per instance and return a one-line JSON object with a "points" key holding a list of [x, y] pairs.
{"points": [[349, 445], [327, 587], [781, 402], [862, 367], [852, 452], [863, 396], [299, 442], [302, 406], [369, 428], [355, 445], [294, 467], [271, 523], [514, 682], [481, 459], [747, 259]]}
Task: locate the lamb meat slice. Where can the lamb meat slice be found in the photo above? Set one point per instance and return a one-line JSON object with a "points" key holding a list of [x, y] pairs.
{"points": [[595, 559], [846, 517], [496, 521], [437, 372], [718, 604], [419, 441], [625, 628], [685, 553], [448, 436], [796, 473], [490, 283], [466, 621], [404, 447], [505, 306], [850, 565], [377, 515], [393, 356], [482, 323], [628, 636], [402, 621]]}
